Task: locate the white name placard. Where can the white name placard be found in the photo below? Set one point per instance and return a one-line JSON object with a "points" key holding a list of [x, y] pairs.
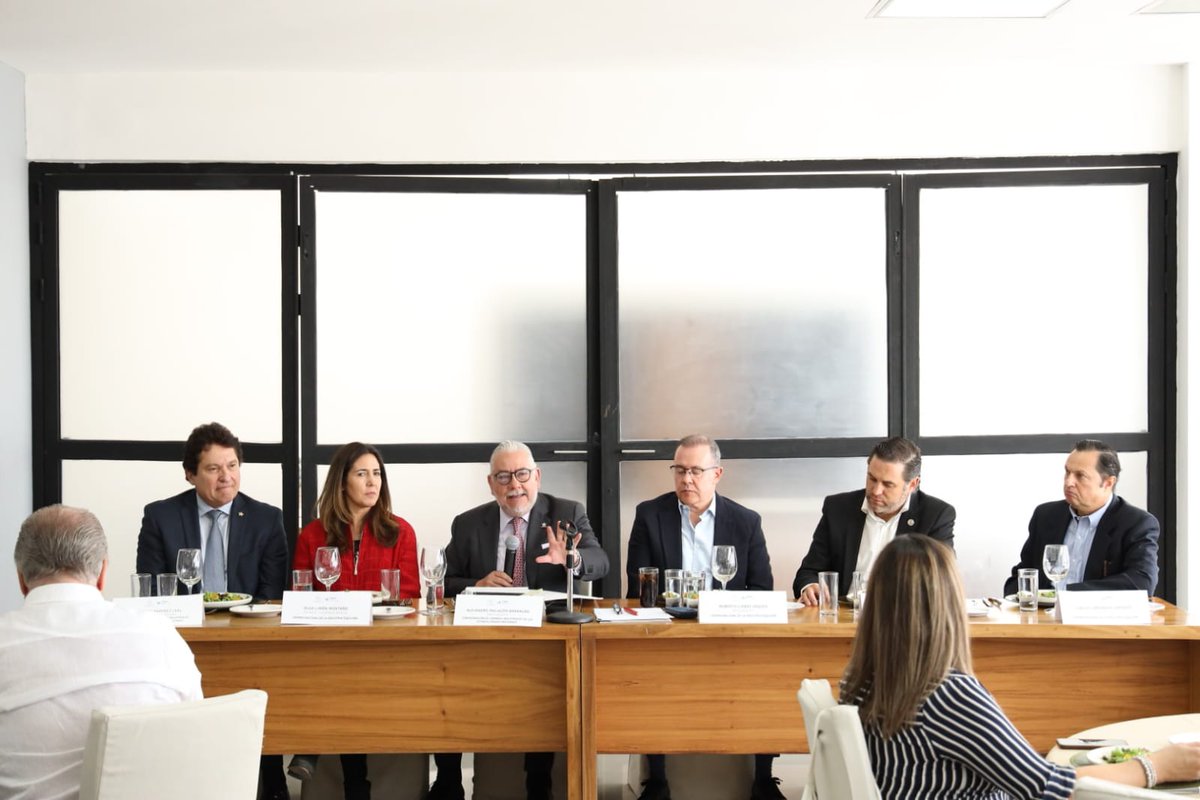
{"points": [[499, 609], [1130, 607], [182, 611], [743, 608], [326, 608]]}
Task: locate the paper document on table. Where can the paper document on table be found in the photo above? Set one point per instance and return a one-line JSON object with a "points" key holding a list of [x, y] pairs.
{"points": [[632, 615], [546, 594]]}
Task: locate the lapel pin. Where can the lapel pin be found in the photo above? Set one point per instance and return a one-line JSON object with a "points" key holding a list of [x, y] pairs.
{"points": [[911, 523], [243, 513]]}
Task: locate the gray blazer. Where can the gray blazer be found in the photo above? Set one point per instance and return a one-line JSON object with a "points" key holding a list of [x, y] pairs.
{"points": [[475, 539]]}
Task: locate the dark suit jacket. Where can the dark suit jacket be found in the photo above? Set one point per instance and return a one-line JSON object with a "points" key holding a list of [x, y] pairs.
{"points": [[835, 544], [657, 541], [256, 562], [1124, 552], [475, 537]]}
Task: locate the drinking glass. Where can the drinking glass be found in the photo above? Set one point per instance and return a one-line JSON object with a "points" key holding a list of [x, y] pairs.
{"points": [[827, 586], [168, 584], [858, 590], [433, 569], [389, 584], [187, 566], [328, 567], [1056, 561], [302, 580], [693, 585], [724, 563], [1027, 589], [672, 587], [139, 584], [648, 586]]}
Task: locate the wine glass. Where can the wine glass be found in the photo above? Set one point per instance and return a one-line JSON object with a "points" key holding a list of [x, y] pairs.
{"points": [[328, 567], [187, 566], [1056, 562], [433, 569], [724, 563]]}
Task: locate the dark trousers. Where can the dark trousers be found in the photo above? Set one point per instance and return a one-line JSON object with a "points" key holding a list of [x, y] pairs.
{"points": [[538, 768]]}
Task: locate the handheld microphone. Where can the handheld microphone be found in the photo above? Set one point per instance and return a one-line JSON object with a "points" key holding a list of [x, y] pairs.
{"points": [[510, 554]]}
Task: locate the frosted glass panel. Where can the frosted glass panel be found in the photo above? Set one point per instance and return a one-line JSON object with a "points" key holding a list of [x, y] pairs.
{"points": [[117, 492], [430, 496], [788, 493], [451, 317], [753, 313], [170, 313], [1033, 310], [995, 495]]}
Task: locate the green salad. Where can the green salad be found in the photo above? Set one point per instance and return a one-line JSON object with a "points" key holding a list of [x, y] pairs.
{"points": [[1119, 754]]}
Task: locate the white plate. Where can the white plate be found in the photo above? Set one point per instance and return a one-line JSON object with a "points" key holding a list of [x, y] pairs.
{"points": [[1097, 756], [382, 612], [257, 610], [242, 600], [1044, 602], [1184, 738]]}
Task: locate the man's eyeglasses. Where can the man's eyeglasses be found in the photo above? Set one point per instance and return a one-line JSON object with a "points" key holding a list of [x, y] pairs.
{"points": [[505, 478], [695, 472]]}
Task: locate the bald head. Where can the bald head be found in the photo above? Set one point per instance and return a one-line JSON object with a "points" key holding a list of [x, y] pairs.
{"points": [[60, 544]]}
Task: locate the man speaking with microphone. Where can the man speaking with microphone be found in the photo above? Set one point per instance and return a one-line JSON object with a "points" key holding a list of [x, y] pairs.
{"points": [[519, 540]]}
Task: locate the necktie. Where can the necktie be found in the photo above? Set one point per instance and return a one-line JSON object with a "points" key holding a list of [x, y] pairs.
{"points": [[519, 561], [214, 555]]}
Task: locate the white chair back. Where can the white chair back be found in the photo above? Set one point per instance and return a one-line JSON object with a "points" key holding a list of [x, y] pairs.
{"points": [[1089, 788], [200, 749], [841, 768], [815, 696]]}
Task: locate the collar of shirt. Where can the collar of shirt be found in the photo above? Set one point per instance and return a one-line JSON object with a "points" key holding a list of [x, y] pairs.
{"points": [[698, 539], [205, 507], [1095, 516], [67, 592], [866, 509]]}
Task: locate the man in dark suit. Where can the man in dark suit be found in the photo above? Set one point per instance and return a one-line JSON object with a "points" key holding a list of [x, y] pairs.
{"points": [[678, 530], [856, 525], [1112, 544], [249, 544], [242, 542], [538, 526]]}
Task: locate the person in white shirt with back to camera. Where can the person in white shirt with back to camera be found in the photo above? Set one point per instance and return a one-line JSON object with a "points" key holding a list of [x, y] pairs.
{"points": [[67, 651]]}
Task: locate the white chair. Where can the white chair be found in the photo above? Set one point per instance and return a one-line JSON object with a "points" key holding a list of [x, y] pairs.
{"points": [[199, 749], [815, 696], [841, 768], [1088, 788]]}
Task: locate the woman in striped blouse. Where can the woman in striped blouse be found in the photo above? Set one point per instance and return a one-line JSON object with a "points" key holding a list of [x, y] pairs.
{"points": [[932, 730]]}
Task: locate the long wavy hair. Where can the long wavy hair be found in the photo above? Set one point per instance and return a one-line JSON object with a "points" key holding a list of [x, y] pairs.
{"points": [[911, 634], [333, 509]]}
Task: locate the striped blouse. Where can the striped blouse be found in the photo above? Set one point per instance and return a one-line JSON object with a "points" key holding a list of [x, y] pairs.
{"points": [[962, 746]]}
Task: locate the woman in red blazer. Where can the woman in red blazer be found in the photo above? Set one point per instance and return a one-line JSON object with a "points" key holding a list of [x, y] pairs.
{"points": [[354, 514]]}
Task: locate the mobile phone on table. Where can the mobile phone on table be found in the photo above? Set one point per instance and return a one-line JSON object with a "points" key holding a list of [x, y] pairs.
{"points": [[1075, 743]]}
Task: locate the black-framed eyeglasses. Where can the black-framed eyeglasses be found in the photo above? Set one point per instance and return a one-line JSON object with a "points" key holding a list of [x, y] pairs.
{"points": [[695, 472], [505, 478]]}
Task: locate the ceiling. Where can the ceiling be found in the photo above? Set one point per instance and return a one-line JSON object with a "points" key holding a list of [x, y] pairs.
{"points": [[66, 36]]}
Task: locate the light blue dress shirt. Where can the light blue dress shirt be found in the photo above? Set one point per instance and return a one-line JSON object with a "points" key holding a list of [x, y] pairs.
{"points": [[698, 540], [1080, 533], [206, 523]]}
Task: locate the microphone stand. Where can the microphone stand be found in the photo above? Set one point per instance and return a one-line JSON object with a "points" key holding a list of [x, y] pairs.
{"points": [[570, 616]]}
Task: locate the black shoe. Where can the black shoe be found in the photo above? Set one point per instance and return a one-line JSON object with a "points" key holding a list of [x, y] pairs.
{"points": [[655, 790], [444, 790], [766, 790], [301, 768]]}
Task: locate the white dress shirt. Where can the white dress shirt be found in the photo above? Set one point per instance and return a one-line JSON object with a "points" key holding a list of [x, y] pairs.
{"points": [[63, 654], [877, 534]]}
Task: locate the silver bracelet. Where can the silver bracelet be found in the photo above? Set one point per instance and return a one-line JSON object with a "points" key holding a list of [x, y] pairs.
{"points": [[1148, 768]]}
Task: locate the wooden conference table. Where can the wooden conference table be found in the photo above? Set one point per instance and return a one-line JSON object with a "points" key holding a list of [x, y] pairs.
{"points": [[419, 684]]}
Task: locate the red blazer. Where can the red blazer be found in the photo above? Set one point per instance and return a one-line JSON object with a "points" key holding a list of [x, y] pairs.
{"points": [[372, 557]]}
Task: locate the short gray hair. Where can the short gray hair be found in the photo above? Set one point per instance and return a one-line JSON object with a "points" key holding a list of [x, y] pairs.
{"points": [[60, 540], [699, 440], [511, 446]]}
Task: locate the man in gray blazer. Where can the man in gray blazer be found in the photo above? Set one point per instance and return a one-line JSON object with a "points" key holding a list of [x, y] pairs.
{"points": [[537, 526]]}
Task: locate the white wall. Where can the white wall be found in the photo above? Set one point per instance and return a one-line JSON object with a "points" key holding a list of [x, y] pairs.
{"points": [[832, 112], [1188, 438], [16, 488]]}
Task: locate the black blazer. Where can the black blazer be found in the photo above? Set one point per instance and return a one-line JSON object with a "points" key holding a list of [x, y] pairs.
{"points": [[657, 541], [475, 537], [1124, 552], [257, 560], [839, 533]]}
